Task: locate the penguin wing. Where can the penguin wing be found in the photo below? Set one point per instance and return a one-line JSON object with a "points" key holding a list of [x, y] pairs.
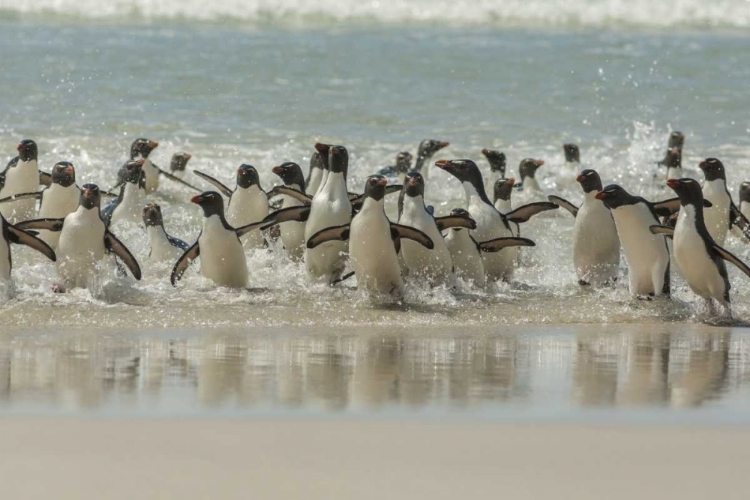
{"points": [[184, 261], [294, 193], [45, 179], [405, 232], [21, 196], [174, 178], [730, 257], [241, 231], [666, 230], [562, 202], [335, 233], [430, 209], [177, 242], [224, 190], [48, 224], [112, 244], [450, 221], [498, 244], [109, 209], [21, 237], [388, 171], [12, 163], [735, 217], [667, 207], [297, 214], [526, 212]]}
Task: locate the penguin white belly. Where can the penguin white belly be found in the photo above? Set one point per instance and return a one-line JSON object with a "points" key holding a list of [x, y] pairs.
{"points": [[330, 207], [57, 203], [373, 254], [646, 254], [692, 257], [489, 182], [434, 264], [161, 249], [5, 263], [222, 256], [504, 207], [130, 208], [152, 176], [467, 262], [596, 246], [293, 233], [247, 206], [717, 216], [315, 177], [23, 178], [497, 265], [80, 247]]}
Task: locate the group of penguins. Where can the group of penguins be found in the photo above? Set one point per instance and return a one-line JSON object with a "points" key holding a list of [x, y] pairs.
{"points": [[321, 223]]}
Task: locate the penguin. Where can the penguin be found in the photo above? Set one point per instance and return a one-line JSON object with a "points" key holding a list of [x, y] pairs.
{"points": [[317, 170], [400, 169], [646, 254], [248, 203], [128, 206], [12, 234], [178, 164], [699, 257], [141, 149], [572, 155], [427, 148], [673, 161], [218, 246], [676, 140], [372, 243], [465, 252], [21, 175], [745, 199], [162, 246], [497, 162], [530, 189], [720, 217], [292, 233], [491, 224], [84, 241], [596, 245], [501, 194]]}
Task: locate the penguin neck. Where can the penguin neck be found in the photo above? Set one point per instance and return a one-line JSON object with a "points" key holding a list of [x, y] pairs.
{"points": [[157, 232], [590, 198], [716, 186], [531, 184], [475, 194], [27, 165], [503, 206], [421, 159], [335, 185], [692, 213], [414, 205], [131, 193], [213, 220], [372, 205], [86, 214]]}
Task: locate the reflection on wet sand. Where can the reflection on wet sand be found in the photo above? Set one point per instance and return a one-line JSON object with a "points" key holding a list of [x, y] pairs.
{"points": [[369, 368]]}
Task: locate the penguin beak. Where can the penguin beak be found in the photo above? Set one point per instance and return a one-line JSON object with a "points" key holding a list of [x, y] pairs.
{"points": [[69, 170], [153, 144], [197, 199], [444, 144], [485, 151], [382, 181], [580, 178], [139, 162], [538, 163], [187, 156], [442, 164], [19, 147], [322, 148], [600, 195], [277, 170], [511, 181], [413, 181], [703, 165], [673, 183]]}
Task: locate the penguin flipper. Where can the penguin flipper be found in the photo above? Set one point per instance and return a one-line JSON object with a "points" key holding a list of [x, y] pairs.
{"points": [[175, 178], [405, 232], [224, 190], [498, 244], [183, 262], [22, 196], [735, 217], [21, 237], [177, 242], [291, 192], [336, 233], [526, 212], [667, 207], [296, 214], [45, 179], [112, 244], [108, 210], [450, 221], [666, 230], [562, 202], [241, 231], [730, 257], [48, 224]]}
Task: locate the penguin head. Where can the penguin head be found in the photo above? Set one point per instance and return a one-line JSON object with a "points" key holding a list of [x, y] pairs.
{"points": [[152, 215], [338, 160], [133, 170], [614, 196], [528, 167], [323, 151], [497, 160], [676, 140], [211, 202], [713, 169], [179, 162], [403, 162], [27, 150], [429, 147], [688, 190], [291, 174], [673, 158], [142, 148], [572, 153], [460, 212], [247, 176], [64, 174], [414, 184], [316, 161], [465, 171], [90, 196], [589, 181], [503, 189], [745, 191], [375, 187]]}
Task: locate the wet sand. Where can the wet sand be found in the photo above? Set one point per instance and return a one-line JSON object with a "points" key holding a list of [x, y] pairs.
{"points": [[311, 459]]}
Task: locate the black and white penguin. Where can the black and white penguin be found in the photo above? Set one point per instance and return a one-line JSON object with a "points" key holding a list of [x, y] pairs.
{"points": [[676, 140], [12, 234], [700, 259], [373, 241], [84, 241], [59, 199], [128, 205], [21, 175], [318, 166], [248, 203], [673, 161], [400, 169], [745, 199], [724, 212], [502, 192], [530, 191], [218, 246], [572, 155], [646, 254], [178, 164], [498, 163], [163, 247], [465, 252], [141, 149], [293, 232], [596, 245], [491, 224], [426, 150]]}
